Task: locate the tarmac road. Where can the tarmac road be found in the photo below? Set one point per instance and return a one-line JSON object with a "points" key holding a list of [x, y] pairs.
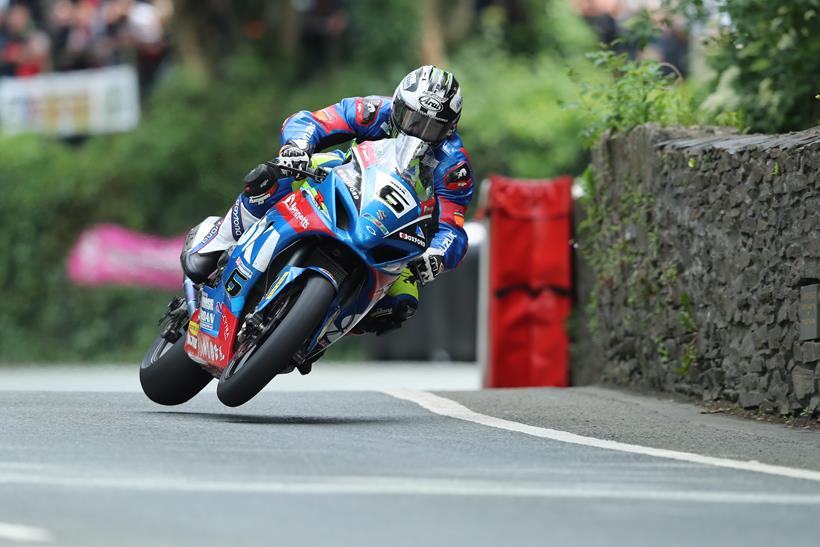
{"points": [[376, 468]]}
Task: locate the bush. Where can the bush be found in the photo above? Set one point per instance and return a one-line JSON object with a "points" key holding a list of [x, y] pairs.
{"points": [[767, 60], [640, 92]]}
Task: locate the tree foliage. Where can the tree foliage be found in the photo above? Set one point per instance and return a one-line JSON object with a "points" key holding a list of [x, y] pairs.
{"points": [[202, 132], [767, 57]]}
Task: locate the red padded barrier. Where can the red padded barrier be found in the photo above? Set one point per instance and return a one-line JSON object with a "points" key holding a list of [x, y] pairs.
{"points": [[530, 281]]}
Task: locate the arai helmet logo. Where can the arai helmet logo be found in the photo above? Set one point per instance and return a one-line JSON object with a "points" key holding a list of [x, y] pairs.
{"points": [[430, 103]]}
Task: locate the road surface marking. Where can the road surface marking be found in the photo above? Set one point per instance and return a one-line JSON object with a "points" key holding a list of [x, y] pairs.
{"points": [[23, 534], [447, 407], [412, 486]]}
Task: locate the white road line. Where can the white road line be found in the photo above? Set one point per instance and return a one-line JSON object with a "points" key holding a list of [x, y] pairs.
{"points": [[408, 486], [452, 409], [23, 534]]}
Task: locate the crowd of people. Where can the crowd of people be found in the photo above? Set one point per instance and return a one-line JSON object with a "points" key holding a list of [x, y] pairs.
{"points": [[608, 18], [38, 36]]}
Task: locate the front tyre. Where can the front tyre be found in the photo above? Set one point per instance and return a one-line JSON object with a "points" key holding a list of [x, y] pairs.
{"points": [[246, 377], [168, 376]]}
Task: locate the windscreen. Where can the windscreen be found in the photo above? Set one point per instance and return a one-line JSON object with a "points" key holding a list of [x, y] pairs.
{"points": [[411, 158]]}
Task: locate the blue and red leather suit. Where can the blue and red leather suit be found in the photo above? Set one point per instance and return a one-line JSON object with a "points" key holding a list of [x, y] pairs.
{"points": [[364, 119]]}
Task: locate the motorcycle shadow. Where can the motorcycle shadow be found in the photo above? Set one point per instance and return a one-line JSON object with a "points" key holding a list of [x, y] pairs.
{"points": [[277, 420]]}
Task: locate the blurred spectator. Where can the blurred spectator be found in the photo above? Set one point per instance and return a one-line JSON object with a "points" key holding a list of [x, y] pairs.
{"points": [[610, 19], [62, 35], [601, 16], [323, 24], [23, 48]]}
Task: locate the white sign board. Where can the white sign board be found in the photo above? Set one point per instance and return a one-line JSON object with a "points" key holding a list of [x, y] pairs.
{"points": [[83, 102]]}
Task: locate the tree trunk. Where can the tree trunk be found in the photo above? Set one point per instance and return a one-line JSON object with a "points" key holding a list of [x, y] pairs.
{"points": [[431, 46], [205, 33]]}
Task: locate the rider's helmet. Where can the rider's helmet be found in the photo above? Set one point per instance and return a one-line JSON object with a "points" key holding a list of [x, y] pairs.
{"points": [[427, 104]]}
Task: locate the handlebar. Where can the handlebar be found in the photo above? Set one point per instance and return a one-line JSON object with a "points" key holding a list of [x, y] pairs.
{"points": [[318, 174]]}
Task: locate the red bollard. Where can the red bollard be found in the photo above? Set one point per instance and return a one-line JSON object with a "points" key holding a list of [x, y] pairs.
{"points": [[530, 282]]}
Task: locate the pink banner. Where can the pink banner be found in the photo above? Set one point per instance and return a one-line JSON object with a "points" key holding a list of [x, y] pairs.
{"points": [[109, 254]]}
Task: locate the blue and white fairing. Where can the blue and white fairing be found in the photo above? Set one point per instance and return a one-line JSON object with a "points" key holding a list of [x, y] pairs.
{"points": [[364, 222]]}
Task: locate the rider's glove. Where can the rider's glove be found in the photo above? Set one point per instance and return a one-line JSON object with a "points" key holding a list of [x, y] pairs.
{"points": [[428, 266], [293, 155], [260, 180]]}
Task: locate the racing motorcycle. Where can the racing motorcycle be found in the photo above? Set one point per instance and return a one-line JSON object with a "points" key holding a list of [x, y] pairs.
{"points": [[300, 278]]}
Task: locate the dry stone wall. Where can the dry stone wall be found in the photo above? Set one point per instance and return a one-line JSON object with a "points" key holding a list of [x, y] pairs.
{"points": [[700, 242]]}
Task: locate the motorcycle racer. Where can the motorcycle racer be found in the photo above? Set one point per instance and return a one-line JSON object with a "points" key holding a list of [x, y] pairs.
{"points": [[426, 104]]}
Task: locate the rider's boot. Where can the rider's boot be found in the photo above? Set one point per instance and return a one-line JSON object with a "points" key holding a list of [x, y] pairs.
{"points": [[397, 306]]}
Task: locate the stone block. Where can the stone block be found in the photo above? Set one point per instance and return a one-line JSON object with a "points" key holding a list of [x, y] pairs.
{"points": [[750, 399], [810, 352], [803, 382]]}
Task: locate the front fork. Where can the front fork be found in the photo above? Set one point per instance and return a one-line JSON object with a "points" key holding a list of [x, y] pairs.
{"points": [[191, 299]]}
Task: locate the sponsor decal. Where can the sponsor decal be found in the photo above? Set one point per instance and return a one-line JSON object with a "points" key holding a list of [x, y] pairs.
{"points": [[412, 239], [427, 207], [419, 232], [298, 215], [449, 239], [458, 177], [211, 234], [452, 213], [243, 269], [326, 114], [366, 110], [377, 222], [192, 336], [209, 312], [354, 192], [208, 319], [307, 136], [275, 287], [330, 120], [191, 340], [262, 198], [366, 153], [431, 103], [234, 284], [371, 230], [236, 220], [350, 180], [209, 350], [381, 214]]}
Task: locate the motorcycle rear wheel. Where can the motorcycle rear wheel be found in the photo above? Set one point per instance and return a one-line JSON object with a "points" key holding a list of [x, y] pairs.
{"points": [[168, 376], [247, 375]]}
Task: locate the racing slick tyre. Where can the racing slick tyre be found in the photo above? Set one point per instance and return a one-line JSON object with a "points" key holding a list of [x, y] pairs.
{"points": [[269, 353], [168, 376]]}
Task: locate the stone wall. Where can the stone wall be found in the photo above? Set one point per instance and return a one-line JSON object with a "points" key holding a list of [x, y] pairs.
{"points": [[699, 241]]}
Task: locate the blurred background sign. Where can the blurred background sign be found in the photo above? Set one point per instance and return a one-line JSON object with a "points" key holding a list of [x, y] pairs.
{"points": [[109, 254], [94, 101]]}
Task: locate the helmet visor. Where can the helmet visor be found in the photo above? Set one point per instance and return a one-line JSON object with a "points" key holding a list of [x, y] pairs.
{"points": [[418, 125]]}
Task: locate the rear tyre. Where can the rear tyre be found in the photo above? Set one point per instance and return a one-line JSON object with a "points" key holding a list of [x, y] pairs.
{"points": [[246, 376], [168, 376]]}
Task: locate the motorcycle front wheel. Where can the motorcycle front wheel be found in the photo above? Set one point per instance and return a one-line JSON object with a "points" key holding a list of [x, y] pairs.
{"points": [[255, 366], [168, 376]]}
